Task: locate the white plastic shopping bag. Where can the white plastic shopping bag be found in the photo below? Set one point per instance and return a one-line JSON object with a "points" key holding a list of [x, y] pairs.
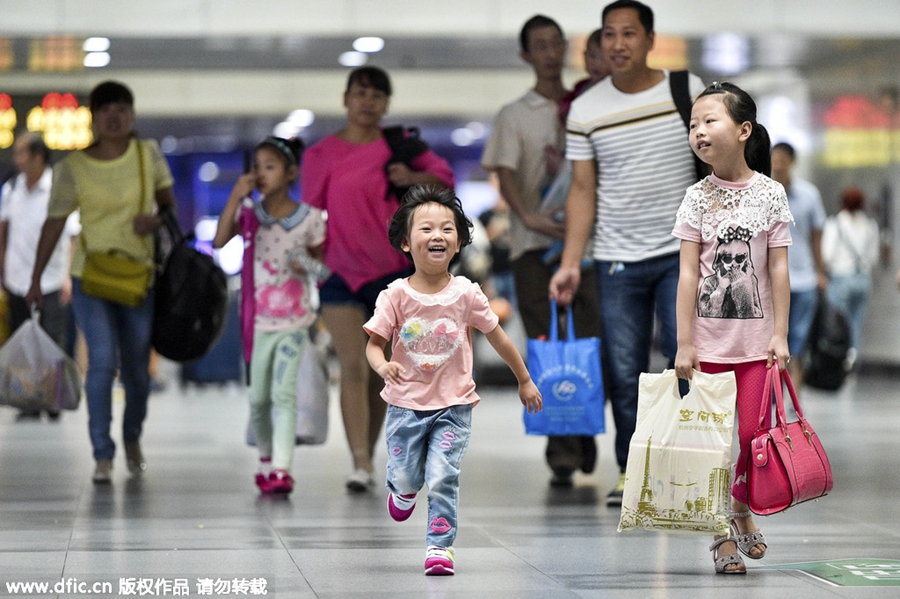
{"points": [[312, 398], [35, 373], [678, 476]]}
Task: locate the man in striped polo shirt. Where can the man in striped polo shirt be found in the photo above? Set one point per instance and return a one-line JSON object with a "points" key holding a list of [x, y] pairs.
{"points": [[631, 166]]}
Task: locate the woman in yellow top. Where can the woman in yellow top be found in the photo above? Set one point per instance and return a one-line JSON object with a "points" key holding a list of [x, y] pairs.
{"points": [[118, 184]]}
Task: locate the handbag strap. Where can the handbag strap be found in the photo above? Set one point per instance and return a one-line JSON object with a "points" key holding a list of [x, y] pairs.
{"points": [[554, 326], [777, 380]]}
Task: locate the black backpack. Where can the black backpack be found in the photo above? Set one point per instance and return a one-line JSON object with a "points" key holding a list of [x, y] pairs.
{"points": [[191, 299], [826, 348]]}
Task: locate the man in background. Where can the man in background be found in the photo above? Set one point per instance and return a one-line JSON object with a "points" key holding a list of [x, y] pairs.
{"points": [[23, 209], [525, 151], [807, 270]]}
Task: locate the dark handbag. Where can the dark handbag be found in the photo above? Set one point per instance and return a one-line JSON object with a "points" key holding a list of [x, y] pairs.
{"points": [[191, 299], [827, 347], [406, 146], [787, 463], [569, 377]]}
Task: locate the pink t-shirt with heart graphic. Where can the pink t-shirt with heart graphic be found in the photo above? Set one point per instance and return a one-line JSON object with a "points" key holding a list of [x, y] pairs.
{"points": [[431, 340]]}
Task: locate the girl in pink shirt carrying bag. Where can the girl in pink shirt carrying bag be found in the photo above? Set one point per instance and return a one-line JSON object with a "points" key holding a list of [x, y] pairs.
{"points": [[733, 289], [428, 380]]}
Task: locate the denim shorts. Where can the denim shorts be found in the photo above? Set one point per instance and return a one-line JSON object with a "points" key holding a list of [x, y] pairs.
{"points": [[335, 291]]}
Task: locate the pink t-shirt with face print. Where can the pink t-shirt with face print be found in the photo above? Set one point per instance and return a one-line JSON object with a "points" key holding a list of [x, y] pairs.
{"points": [[735, 225]]}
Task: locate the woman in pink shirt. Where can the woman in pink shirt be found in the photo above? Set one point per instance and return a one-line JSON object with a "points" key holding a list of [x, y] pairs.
{"points": [[351, 175], [428, 380]]}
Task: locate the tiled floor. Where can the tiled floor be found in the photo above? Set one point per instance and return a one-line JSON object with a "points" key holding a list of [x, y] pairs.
{"points": [[195, 515]]}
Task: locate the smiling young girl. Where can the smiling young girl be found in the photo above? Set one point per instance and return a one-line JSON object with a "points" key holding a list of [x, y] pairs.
{"points": [[733, 288], [282, 238], [428, 381]]}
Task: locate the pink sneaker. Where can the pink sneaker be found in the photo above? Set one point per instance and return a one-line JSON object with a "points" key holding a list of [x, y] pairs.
{"points": [[281, 482], [262, 481], [439, 561], [400, 514]]}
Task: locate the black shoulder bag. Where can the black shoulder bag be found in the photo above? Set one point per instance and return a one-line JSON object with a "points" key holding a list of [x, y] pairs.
{"points": [[191, 299], [406, 146]]}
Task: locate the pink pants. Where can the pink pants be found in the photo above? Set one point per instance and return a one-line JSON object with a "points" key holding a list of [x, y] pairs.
{"points": [[751, 380]]}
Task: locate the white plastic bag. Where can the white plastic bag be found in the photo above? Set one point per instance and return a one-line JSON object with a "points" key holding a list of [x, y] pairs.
{"points": [[312, 398], [35, 373], [678, 476]]}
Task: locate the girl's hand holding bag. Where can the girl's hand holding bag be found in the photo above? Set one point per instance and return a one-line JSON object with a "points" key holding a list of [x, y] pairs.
{"points": [[788, 464]]}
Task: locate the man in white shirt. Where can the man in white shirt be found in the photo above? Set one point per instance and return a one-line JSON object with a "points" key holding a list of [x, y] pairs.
{"points": [[631, 164], [526, 137], [23, 209]]}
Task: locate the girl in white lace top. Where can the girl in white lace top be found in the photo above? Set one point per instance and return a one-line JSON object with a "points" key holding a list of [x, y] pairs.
{"points": [[733, 289]]}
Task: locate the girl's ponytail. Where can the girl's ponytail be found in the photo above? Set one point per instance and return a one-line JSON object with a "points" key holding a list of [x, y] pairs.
{"points": [[758, 151]]}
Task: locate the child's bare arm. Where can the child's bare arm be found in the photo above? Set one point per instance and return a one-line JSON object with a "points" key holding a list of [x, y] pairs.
{"points": [[389, 371], [528, 391], [781, 304], [228, 227]]}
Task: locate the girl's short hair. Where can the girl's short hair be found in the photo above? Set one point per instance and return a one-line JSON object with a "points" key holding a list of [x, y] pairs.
{"points": [[741, 108], [290, 150], [370, 77], [418, 195], [109, 92]]}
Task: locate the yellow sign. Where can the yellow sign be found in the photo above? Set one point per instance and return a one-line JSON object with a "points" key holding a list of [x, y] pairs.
{"points": [[64, 124], [8, 121]]}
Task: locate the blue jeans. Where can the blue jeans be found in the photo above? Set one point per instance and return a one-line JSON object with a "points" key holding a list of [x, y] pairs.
{"points": [[117, 336], [803, 311], [426, 447], [850, 294], [631, 294]]}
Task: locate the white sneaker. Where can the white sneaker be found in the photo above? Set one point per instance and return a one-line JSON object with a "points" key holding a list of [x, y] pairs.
{"points": [[360, 480], [103, 472]]}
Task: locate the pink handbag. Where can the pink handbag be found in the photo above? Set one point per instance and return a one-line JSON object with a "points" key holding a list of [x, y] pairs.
{"points": [[787, 462]]}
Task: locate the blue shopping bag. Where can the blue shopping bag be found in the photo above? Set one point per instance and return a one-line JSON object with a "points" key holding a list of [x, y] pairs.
{"points": [[570, 379]]}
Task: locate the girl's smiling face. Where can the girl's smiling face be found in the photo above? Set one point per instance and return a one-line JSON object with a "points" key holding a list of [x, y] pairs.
{"points": [[433, 239]]}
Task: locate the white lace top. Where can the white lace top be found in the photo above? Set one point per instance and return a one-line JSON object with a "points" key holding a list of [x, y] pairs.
{"points": [[735, 224]]}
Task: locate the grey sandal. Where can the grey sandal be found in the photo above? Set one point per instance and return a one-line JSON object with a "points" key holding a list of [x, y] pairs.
{"points": [[748, 540], [727, 560]]}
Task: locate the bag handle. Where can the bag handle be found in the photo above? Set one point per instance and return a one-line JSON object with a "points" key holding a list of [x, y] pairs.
{"points": [[777, 379], [554, 326]]}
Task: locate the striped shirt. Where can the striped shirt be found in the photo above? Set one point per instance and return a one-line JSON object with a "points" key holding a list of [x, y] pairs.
{"points": [[644, 165]]}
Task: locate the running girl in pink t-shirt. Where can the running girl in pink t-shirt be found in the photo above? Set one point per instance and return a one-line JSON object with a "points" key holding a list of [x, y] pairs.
{"points": [[282, 252], [733, 288], [428, 382]]}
